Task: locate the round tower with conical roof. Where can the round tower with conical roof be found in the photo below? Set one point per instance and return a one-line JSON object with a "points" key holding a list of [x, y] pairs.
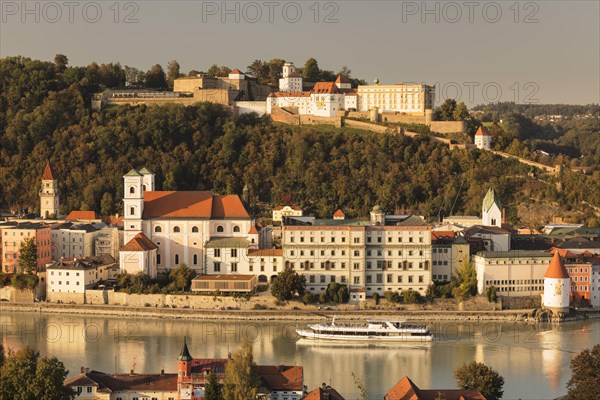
{"points": [[556, 286]]}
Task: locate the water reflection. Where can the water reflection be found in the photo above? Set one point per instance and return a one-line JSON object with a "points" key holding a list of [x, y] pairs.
{"points": [[534, 360]]}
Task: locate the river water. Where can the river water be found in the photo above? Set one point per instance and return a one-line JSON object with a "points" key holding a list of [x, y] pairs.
{"points": [[533, 359]]}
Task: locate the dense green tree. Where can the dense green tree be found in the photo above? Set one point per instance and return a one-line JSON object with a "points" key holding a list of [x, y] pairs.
{"points": [[107, 204], [445, 111], [480, 377], [241, 378], [213, 389], [461, 112], [173, 72], [25, 375], [28, 255], [1, 355], [288, 283], [182, 276], [585, 375], [155, 78], [216, 71], [311, 71], [61, 62], [466, 280]]}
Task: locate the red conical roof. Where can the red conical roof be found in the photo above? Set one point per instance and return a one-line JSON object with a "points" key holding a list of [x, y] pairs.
{"points": [[48, 176], [482, 131], [556, 269]]}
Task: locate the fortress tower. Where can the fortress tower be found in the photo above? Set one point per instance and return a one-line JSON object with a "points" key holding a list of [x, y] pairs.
{"points": [[556, 286], [483, 139]]}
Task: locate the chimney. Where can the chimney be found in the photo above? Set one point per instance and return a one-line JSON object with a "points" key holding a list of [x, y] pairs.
{"points": [[162, 371], [87, 370], [131, 372], [82, 370], [503, 215]]}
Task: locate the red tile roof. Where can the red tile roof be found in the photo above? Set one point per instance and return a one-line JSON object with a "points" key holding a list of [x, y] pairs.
{"points": [[228, 206], [140, 242], [281, 377], [237, 71], [79, 215], [482, 131], [324, 393], [442, 234], [556, 269], [405, 389], [253, 230], [180, 204], [48, 175], [342, 79], [265, 253], [339, 213], [325, 88], [113, 220], [106, 383]]}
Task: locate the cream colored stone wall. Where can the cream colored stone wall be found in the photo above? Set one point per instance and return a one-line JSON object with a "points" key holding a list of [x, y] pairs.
{"points": [[12, 294], [448, 126]]}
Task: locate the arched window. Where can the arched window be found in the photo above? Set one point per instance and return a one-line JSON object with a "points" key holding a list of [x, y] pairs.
{"points": [[158, 229], [158, 259], [176, 259], [131, 210], [144, 188], [194, 229], [195, 259], [176, 229], [236, 229], [132, 190], [220, 228]]}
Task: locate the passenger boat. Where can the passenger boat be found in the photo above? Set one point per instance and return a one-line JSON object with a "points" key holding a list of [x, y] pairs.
{"points": [[371, 331]]}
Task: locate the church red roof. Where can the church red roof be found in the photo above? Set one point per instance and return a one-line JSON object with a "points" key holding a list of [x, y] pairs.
{"points": [[405, 389], [81, 215], [140, 242], [48, 175], [325, 88], [180, 204], [556, 269]]}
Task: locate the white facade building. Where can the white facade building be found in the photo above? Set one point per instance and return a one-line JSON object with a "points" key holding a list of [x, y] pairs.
{"points": [[180, 224], [516, 273], [77, 275], [280, 212], [491, 210], [367, 256]]}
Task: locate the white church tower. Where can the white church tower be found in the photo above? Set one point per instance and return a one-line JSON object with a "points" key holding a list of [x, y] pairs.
{"points": [[291, 80], [491, 210], [133, 204], [49, 194], [556, 286]]}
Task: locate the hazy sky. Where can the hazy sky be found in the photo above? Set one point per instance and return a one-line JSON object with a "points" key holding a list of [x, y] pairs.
{"points": [[480, 51]]}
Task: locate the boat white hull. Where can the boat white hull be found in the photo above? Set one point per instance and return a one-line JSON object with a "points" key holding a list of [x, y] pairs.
{"points": [[308, 334]]}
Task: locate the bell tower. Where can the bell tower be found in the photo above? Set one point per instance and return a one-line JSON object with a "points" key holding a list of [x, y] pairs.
{"points": [[49, 194], [133, 204]]}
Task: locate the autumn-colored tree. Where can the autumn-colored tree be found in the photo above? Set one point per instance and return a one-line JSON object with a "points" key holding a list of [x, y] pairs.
{"points": [[241, 378], [585, 375]]}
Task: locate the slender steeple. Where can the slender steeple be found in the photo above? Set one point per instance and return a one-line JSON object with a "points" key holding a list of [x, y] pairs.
{"points": [[49, 194], [184, 355]]}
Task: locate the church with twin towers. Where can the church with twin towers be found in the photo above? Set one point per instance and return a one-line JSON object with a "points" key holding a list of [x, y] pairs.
{"points": [[163, 229]]}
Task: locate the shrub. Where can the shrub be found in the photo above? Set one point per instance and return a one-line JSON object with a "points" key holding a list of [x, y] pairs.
{"points": [[392, 297], [322, 298], [491, 294], [376, 298], [411, 297], [4, 280], [24, 281], [260, 307], [308, 298]]}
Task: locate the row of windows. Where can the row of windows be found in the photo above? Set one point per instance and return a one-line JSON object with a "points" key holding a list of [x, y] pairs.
{"points": [[356, 253], [389, 278], [580, 278], [195, 229], [515, 282], [581, 270], [355, 240], [581, 288]]}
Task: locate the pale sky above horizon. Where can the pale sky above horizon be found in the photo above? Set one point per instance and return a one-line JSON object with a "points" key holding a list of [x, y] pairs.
{"points": [[476, 51]]}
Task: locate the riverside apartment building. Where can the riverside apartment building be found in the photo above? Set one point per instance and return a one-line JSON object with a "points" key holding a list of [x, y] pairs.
{"points": [[387, 252]]}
